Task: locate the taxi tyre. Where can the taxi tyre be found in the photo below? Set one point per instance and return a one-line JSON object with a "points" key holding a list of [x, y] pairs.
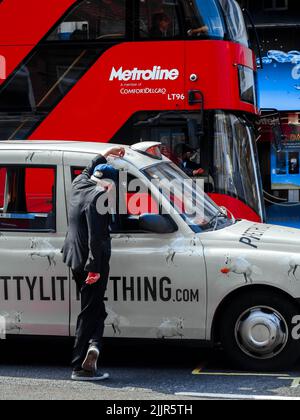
{"points": [[238, 310]]}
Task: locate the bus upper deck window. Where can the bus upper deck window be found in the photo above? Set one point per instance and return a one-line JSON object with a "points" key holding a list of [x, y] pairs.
{"points": [[235, 21], [203, 19], [158, 19], [93, 20]]}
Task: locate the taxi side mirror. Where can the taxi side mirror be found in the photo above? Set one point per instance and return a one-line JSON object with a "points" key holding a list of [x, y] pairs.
{"points": [[157, 223]]}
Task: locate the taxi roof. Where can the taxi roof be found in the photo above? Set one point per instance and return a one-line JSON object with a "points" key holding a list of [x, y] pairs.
{"points": [[134, 157]]}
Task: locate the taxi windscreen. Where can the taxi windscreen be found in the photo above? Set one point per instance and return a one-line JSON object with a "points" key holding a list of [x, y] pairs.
{"points": [[186, 197]]}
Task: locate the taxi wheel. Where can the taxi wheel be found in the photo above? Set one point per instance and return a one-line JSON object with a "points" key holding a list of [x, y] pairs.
{"points": [[256, 332]]}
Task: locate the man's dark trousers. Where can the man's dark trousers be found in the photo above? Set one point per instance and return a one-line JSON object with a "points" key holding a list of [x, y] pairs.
{"points": [[90, 324]]}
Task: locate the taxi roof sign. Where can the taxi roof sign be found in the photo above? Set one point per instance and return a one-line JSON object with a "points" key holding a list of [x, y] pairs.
{"points": [[151, 149]]}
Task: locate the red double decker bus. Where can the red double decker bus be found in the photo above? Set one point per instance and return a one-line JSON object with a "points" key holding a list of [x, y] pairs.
{"points": [[179, 72]]}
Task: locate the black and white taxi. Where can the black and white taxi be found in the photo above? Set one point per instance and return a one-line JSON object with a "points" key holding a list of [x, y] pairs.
{"points": [[174, 275]]}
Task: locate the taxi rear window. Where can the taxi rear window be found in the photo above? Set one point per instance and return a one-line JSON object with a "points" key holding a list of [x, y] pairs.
{"points": [[2, 186], [27, 198], [75, 172]]}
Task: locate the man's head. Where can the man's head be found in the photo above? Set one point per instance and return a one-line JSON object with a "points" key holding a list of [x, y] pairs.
{"points": [[161, 21], [105, 174]]}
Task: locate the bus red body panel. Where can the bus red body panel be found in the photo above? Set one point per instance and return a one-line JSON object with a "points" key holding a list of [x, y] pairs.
{"points": [[97, 98], [236, 206], [216, 63]]}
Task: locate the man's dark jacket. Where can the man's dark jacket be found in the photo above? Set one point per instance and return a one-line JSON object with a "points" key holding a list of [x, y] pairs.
{"points": [[88, 233], [188, 167]]}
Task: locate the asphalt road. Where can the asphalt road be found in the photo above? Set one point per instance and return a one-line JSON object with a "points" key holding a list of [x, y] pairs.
{"points": [[39, 369]]}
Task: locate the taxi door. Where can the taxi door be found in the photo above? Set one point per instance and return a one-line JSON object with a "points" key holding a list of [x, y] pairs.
{"points": [[157, 286], [34, 282], [158, 280]]}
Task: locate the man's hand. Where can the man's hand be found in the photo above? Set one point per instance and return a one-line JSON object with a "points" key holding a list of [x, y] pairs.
{"points": [[116, 152], [107, 186], [92, 278], [198, 172], [198, 31]]}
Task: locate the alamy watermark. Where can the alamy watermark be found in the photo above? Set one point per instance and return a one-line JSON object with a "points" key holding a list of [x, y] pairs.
{"points": [[165, 197], [296, 329], [2, 67]]}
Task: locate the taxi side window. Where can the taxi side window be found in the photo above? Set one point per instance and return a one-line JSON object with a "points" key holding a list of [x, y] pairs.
{"points": [[134, 198], [27, 199], [75, 172]]}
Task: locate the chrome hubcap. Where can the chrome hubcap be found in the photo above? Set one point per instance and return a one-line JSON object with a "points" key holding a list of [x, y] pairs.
{"points": [[261, 333]]}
